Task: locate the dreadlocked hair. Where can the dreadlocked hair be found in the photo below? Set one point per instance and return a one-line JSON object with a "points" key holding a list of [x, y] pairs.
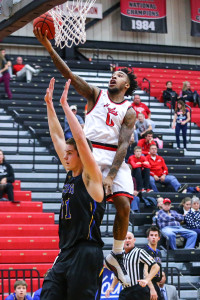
{"points": [[132, 79]]}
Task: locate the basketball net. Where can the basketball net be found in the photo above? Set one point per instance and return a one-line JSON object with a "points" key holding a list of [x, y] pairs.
{"points": [[69, 22]]}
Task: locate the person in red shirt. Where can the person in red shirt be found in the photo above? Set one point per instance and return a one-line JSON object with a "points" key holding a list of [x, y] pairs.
{"points": [[159, 172], [146, 142], [140, 107], [140, 170], [21, 70]]}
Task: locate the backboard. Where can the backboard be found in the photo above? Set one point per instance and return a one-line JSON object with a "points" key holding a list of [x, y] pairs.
{"points": [[15, 14]]}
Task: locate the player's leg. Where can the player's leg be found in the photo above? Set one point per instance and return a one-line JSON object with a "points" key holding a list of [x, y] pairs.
{"points": [[122, 194], [84, 276], [120, 227], [54, 286], [114, 260]]}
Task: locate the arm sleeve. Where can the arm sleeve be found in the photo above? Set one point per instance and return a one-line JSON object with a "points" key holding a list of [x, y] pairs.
{"points": [[147, 166], [132, 162], [140, 143], [189, 220], [146, 258], [148, 110], [165, 169], [162, 217], [178, 216]]}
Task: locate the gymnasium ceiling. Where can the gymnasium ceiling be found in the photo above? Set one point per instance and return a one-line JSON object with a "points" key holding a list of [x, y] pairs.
{"points": [[24, 12]]}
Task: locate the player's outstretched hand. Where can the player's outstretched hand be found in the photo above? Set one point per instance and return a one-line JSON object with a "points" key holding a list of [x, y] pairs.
{"points": [[108, 182], [49, 92], [143, 282], [108, 291], [42, 38], [63, 99]]}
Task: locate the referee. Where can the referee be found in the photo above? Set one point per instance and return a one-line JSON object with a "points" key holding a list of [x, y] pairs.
{"points": [[134, 261]]}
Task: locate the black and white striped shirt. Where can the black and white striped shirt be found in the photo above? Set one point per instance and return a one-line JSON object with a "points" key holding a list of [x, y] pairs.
{"points": [[134, 263]]}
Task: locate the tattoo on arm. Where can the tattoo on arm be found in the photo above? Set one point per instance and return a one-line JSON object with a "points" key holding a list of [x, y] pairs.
{"points": [[124, 138]]}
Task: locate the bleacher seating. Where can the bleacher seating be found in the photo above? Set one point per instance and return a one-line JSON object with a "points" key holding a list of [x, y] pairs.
{"points": [[43, 181], [28, 237]]}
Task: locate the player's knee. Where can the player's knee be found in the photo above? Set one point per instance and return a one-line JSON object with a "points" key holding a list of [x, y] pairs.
{"points": [[123, 209]]}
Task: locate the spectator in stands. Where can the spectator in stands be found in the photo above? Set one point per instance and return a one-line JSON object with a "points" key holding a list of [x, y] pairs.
{"points": [[146, 142], [188, 95], [159, 172], [7, 58], [140, 107], [36, 294], [135, 203], [22, 70], [155, 212], [192, 218], [170, 95], [184, 206], [153, 237], [20, 287], [135, 259], [6, 178], [181, 118], [67, 130], [169, 224], [5, 76], [168, 291], [140, 170], [142, 126], [130, 150]]}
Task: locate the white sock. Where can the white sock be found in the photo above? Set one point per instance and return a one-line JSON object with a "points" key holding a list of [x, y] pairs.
{"points": [[118, 246]]}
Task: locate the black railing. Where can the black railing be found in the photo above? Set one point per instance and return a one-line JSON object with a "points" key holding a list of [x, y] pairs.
{"points": [[148, 90], [171, 114], [107, 218], [167, 252], [34, 137], [16, 116], [56, 159], [7, 275], [190, 136], [172, 272]]}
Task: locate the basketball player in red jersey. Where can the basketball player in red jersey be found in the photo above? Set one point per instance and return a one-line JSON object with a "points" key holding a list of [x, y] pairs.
{"points": [[109, 125]]}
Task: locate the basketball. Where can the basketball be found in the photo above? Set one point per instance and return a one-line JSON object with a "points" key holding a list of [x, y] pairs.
{"points": [[45, 22]]}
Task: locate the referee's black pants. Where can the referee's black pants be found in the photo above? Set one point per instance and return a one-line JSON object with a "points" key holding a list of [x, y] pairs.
{"points": [[135, 292]]}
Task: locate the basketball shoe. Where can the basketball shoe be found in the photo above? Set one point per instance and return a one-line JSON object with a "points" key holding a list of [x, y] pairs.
{"points": [[114, 263]]}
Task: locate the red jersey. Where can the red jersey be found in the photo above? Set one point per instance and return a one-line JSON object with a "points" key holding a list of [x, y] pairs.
{"points": [[157, 166], [145, 146], [133, 160], [17, 68], [141, 108]]}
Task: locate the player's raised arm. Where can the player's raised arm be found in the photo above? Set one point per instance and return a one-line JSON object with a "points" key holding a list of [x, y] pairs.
{"points": [[92, 176], [80, 85], [56, 131]]}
